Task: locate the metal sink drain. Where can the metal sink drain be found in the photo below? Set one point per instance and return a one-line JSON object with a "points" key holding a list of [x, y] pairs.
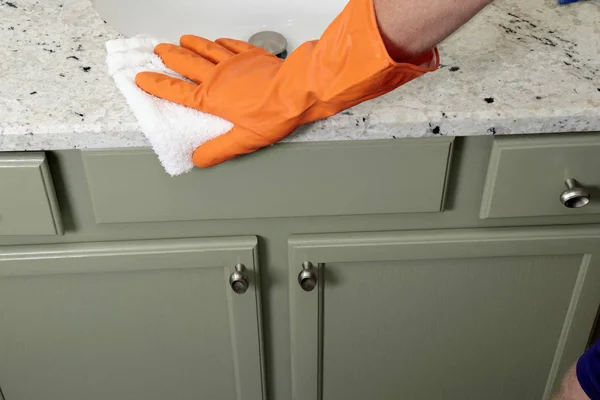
{"points": [[273, 42]]}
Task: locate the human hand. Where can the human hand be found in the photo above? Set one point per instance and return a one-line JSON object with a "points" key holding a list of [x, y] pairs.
{"points": [[265, 97]]}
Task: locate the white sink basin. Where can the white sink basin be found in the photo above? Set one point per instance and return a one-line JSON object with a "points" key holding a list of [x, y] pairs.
{"points": [[297, 20]]}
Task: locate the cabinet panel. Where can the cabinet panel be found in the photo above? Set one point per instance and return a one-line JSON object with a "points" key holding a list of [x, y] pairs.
{"points": [[526, 175], [465, 314], [28, 204], [347, 178], [135, 320]]}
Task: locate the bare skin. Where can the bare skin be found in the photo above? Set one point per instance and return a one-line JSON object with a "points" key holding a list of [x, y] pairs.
{"points": [[570, 388], [412, 27]]}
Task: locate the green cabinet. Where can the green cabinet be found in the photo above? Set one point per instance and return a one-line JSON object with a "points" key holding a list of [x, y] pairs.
{"points": [[470, 280], [152, 319], [455, 314]]}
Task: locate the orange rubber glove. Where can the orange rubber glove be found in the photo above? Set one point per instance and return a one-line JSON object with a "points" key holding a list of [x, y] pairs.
{"points": [[266, 98]]}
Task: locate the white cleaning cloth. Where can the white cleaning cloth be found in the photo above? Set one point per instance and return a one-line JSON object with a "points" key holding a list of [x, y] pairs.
{"points": [[174, 131]]}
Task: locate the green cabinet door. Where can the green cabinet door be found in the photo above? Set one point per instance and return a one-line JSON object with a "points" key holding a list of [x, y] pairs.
{"points": [[458, 314], [136, 320]]}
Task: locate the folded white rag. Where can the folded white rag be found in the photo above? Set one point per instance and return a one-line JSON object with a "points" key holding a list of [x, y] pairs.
{"points": [[174, 131]]}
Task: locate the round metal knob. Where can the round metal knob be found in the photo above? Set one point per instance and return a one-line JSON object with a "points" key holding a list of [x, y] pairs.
{"points": [[575, 196], [238, 280], [307, 278]]}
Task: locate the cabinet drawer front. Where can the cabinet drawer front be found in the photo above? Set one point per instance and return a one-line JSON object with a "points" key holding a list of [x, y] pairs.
{"points": [[286, 180], [526, 175], [28, 203]]}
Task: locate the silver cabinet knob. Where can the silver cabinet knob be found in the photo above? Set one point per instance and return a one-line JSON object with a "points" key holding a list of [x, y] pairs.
{"points": [[575, 196], [307, 278], [238, 280]]}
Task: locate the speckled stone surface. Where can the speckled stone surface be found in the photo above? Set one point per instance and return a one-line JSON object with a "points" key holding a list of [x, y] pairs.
{"points": [[519, 67]]}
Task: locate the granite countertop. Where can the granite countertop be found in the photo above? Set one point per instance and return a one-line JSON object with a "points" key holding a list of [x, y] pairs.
{"points": [[519, 67]]}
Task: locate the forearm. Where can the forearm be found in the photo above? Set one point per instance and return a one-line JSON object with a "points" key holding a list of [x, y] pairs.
{"points": [[411, 27], [570, 389]]}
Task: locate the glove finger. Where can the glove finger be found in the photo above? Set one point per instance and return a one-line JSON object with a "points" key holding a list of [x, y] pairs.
{"points": [[206, 48], [236, 142], [168, 88], [236, 46], [184, 62]]}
